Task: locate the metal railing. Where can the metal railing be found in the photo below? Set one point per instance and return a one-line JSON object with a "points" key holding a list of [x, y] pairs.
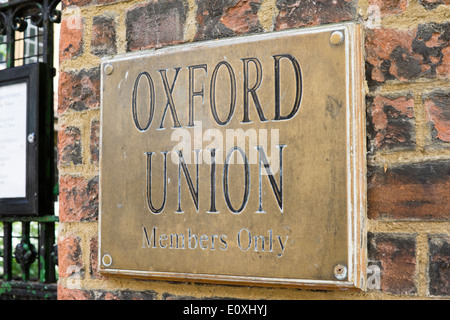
{"points": [[28, 258], [28, 253]]}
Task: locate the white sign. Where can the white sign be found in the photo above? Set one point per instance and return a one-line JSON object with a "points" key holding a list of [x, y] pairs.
{"points": [[13, 121]]}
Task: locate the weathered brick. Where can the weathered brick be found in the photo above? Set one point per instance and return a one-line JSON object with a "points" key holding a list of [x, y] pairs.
{"points": [[71, 40], [443, 70], [69, 145], [416, 191], [218, 19], [294, 14], [439, 264], [93, 258], [125, 295], [73, 294], [78, 3], [103, 38], [79, 294], [171, 296], [79, 90], [155, 24], [437, 107], [70, 260], [390, 7], [242, 17], [432, 44], [99, 2], [81, 3], [78, 199], [391, 122], [380, 45], [406, 54], [433, 4], [395, 254], [95, 141]]}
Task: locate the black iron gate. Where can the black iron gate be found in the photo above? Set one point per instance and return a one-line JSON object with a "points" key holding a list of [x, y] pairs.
{"points": [[28, 254]]}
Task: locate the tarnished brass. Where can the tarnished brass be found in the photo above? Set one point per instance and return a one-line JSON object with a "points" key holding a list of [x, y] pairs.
{"points": [[337, 37], [239, 161]]}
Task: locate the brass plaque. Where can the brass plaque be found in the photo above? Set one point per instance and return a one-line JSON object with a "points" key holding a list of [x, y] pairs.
{"points": [[238, 160]]}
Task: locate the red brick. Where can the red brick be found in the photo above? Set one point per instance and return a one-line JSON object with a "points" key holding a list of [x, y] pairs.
{"points": [[70, 260], [77, 3], [433, 4], [407, 54], [78, 199], [126, 295], [93, 258], [432, 43], [73, 294], [95, 141], [65, 293], [294, 14], [81, 3], [108, 1], [390, 7], [380, 44], [437, 107], [395, 254], [439, 264], [218, 19], [69, 145], [71, 40], [392, 122], [443, 69], [417, 191], [79, 90], [243, 17], [103, 37], [155, 24]]}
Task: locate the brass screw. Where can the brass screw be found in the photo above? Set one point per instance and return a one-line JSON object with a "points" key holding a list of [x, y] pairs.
{"points": [[336, 38], [109, 69], [107, 260], [340, 272]]}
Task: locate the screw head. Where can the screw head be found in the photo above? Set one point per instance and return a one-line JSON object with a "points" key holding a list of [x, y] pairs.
{"points": [[340, 271], [107, 260], [336, 38], [31, 137], [108, 69]]}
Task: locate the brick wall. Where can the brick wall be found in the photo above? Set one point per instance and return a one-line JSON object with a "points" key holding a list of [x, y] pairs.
{"points": [[407, 65]]}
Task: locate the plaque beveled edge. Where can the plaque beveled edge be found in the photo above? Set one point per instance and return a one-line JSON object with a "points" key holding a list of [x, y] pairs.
{"points": [[356, 163]]}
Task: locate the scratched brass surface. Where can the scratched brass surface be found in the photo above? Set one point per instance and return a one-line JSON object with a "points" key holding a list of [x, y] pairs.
{"points": [[221, 233]]}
